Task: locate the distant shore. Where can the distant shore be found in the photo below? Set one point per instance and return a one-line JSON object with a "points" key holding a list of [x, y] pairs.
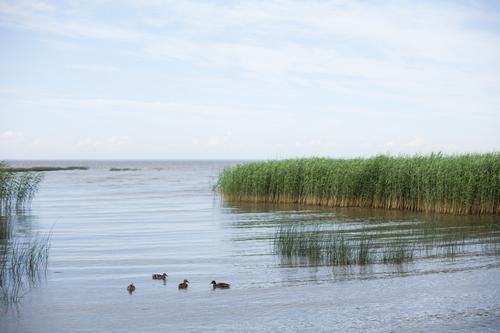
{"points": [[42, 168]]}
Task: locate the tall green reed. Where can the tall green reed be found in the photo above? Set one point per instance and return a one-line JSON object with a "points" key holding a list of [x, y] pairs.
{"points": [[461, 184], [321, 245], [23, 261], [16, 189]]}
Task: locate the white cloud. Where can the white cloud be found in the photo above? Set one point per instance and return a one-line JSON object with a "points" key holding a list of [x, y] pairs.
{"points": [[213, 141], [415, 142], [106, 143], [92, 68], [154, 22], [40, 143], [316, 143], [50, 19], [10, 136], [133, 106], [10, 90]]}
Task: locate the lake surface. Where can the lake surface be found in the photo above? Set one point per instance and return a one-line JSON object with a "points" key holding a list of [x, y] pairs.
{"points": [[113, 228]]}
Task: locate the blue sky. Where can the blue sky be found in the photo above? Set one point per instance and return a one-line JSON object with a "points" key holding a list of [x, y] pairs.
{"points": [[247, 79]]}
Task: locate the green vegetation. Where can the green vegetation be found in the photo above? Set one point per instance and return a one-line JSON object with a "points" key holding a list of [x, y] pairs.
{"points": [[16, 189], [23, 264], [124, 169], [322, 245], [462, 184], [43, 168]]}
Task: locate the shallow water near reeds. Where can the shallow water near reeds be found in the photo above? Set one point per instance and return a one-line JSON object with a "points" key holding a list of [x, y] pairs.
{"points": [[112, 228]]}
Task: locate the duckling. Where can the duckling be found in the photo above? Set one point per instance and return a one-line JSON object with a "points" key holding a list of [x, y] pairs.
{"points": [[160, 276], [184, 284], [131, 288], [220, 285]]}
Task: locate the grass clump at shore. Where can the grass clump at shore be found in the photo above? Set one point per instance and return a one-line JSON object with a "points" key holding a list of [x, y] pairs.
{"points": [[16, 189], [318, 245], [461, 184]]}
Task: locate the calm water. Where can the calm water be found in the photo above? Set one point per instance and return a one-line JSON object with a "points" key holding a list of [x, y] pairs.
{"points": [[111, 228]]}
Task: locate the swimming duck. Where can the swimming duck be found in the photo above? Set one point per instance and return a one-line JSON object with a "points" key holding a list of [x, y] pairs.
{"points": [[220, 285], [184, 284], [160, 276], [131, 288]]}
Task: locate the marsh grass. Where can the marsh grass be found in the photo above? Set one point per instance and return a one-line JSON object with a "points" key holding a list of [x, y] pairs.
{"points": [[16, 189], [398, 253], [318, 245], [462, 184], [23, 261]]}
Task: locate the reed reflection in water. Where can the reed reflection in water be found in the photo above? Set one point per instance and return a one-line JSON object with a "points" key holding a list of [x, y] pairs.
{"points": [[23, 262], [307, 236]]}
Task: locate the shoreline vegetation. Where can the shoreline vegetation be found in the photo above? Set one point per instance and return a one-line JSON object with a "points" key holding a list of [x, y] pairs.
{"points": [[436, 183], [41, 168], [124, 169], [16, 189], [23, 260]]}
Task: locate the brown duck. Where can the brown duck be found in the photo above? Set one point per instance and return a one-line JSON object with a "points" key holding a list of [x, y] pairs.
{"points": [[220, 285], [184, 284], [163, 276], [131, 288]]}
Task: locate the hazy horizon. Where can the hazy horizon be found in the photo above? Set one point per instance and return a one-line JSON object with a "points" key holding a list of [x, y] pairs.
{"points": [[247, 80], [173, 159]]}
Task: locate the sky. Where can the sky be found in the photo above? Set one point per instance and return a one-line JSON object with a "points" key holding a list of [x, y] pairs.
{"points": [[247, 79]]}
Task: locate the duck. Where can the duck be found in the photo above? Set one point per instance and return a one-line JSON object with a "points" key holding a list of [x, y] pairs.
{"points": [[131, 288], [163, 276], [220, 285], [184, 284]]}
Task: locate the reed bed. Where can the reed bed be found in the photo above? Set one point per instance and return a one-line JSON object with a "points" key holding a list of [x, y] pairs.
{"points": [[461, 184], [16, 189], [23, 261], [319, 246]]}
